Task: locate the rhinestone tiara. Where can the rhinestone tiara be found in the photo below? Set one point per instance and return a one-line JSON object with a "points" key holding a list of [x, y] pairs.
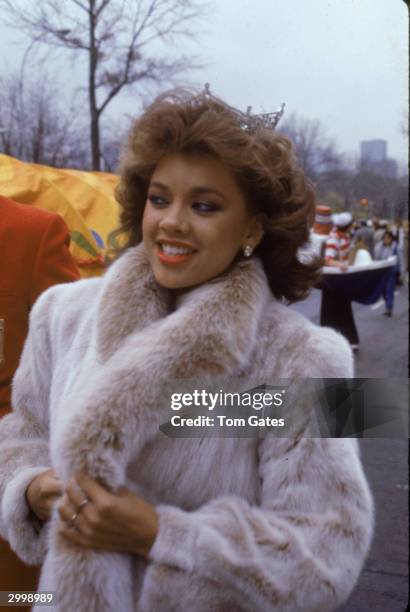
{"points": [[247, 121]]}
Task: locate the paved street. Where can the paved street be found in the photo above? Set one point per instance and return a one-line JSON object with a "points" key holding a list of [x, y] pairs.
{"points": [[383, 585]]}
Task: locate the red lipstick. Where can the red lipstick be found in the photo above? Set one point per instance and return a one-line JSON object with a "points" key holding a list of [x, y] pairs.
{"points": [[173, 259]]}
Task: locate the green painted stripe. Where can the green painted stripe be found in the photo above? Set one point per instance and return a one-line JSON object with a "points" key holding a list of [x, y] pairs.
{"points": [[82, 242]]}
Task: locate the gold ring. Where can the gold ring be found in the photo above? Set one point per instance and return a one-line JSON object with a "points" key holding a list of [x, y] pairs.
{"points": [[83, 503], [73, 518]]}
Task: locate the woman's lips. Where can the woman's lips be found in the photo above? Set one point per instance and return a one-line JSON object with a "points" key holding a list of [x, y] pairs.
{"points": [[173, 258]]}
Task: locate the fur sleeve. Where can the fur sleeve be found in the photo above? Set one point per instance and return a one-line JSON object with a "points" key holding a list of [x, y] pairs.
{"points": [[326, 354], [24, 447], [301, 550]]}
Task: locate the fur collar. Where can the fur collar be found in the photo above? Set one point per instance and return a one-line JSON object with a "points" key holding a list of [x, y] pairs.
{"points": [[132, 300], [140, 345]]}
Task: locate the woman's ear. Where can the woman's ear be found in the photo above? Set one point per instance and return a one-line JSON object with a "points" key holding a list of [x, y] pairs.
{"points": [[255, 231]]}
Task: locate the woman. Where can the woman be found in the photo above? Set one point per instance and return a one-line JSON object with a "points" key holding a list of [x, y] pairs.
{"points": [[386, 248], [214, 212]]}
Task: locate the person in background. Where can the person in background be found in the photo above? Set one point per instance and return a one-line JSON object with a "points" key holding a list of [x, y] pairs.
{"points": [[34, 255], [398, 232], [336, 310], [385, 249], [354, 228], [321, 229], [338, 243], [399, 236], [380, 228], [365, 235]]}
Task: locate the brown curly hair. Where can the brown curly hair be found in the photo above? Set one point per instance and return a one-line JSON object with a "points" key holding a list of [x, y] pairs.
{"points": [[262, 162]]}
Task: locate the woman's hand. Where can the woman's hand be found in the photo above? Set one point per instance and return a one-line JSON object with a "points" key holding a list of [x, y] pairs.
{"points": [[43, 492], [120, 522]]}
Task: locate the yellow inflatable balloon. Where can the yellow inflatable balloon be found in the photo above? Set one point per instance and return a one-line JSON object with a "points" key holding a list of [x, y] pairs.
{"points": [[85, 200]]}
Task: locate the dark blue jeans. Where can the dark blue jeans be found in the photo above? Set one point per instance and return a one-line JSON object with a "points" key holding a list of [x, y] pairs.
{"points": [[388, 292]]}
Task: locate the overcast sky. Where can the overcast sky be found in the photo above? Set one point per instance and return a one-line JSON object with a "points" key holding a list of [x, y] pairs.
{"points": [[343, 62]]}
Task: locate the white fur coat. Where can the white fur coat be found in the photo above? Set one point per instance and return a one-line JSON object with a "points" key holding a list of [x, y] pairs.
{"points": [[278, 524]]}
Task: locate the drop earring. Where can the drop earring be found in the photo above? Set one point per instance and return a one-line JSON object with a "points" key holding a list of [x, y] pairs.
{"points": [[248, 250]]}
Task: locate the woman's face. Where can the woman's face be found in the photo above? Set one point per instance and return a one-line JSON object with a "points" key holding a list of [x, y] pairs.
{"points": [[195, 220], [387, 240]]}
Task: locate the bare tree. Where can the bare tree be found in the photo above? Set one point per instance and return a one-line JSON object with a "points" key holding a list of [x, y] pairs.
{"points": [[36, 127], [124, 40], [314, 150], [11, 132]]}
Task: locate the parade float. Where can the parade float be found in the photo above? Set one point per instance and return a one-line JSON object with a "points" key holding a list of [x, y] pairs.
{"points": [[85, 200]]}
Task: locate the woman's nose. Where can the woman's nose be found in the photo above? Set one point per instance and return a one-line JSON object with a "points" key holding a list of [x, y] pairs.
{"points": [[174, 219]]}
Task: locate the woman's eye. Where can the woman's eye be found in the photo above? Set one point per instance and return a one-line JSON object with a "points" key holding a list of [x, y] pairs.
{"points": [[205, 206], [156, 200]]}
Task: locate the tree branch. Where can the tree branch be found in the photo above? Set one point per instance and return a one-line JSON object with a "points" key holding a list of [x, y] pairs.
{"points": [[101, 8], [81, 6]]}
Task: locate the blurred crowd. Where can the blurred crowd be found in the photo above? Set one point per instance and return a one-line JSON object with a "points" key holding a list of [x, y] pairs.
{"points": [[382, 239], [371, 256], [344, 241]]}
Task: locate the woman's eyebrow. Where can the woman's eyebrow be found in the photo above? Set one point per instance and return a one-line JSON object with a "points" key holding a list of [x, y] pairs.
{"points": [[199, 190], [158, 184]]}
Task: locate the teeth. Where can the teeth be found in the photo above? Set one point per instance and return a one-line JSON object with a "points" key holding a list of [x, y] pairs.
{"points": [[175, 250]]}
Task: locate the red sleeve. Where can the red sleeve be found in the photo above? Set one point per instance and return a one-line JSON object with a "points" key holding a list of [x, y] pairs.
{"points": [[54, 263]]}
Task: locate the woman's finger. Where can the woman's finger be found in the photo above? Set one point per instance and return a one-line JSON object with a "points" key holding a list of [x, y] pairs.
{"points": [[67, 512], [91, 487], [52, 486], [76, 495], [102, 500], [76, 537], [94, 541]]}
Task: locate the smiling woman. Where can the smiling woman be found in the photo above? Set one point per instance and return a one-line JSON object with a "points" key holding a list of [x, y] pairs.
{"points": [[195, 221], [214, 209], [255, 170]]}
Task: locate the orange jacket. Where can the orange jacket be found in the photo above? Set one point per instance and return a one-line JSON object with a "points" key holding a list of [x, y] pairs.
{"points": [[33, 256]]}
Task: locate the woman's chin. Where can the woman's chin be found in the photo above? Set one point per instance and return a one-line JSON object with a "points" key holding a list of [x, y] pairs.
{"points": [[184, 279], [177, 281], [171, 281]]}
